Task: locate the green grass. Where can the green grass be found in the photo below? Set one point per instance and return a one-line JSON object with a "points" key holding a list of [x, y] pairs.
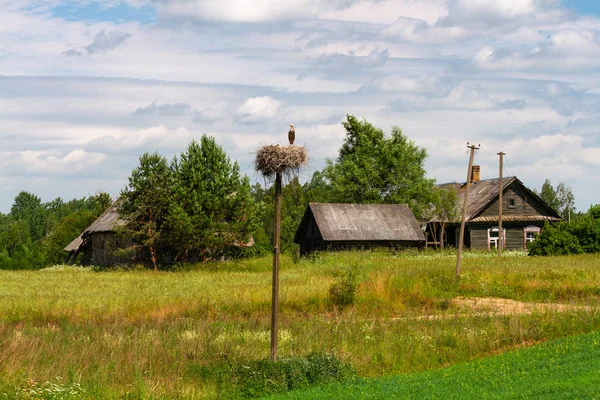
{"points": [[568, 368], [145, 334]]}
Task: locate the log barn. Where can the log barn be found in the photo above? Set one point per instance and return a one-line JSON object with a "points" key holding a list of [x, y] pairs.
{"points": [[524, 215], [99, 241], [349, 226]]}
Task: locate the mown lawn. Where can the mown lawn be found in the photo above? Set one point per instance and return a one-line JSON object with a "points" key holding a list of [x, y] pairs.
{"points": [[145, 334], [567, 368]]}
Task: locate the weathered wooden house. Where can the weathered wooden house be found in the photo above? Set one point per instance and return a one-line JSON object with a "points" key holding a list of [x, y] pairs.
{"points": [[99, 241], [346, 226], [524, 215]]}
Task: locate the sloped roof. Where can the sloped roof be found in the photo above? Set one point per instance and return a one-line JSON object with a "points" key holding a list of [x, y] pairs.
{"points": [[363, 222], [485, 191], [107, 222]]}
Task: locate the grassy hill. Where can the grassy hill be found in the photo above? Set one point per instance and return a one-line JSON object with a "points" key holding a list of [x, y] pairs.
{"points": [[145, 334], [568, 368]]}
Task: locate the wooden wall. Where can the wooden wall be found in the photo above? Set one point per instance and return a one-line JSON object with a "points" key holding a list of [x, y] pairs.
{"points": [[524, 204], [100, 250], [515, 236]]}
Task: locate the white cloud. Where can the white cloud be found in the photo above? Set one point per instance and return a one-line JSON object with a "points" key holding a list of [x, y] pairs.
{"points": [[241, 10], [157, 138], [258, 109], [47, 163]]}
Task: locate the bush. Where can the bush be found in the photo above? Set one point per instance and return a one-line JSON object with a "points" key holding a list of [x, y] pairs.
{"points": [[343, 293], [259, 378], [555, 240]]}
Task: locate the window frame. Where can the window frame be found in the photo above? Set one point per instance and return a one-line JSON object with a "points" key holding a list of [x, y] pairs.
{"points": [[530, 229], [496, 239]]}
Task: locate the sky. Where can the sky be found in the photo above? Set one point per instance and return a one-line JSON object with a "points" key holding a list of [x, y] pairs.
{"points": [[87, 86]]}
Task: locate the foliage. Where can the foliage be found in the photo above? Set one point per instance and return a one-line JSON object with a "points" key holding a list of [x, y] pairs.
{"points": [[548, 194], [293, 205], [443, 210], [343, 293], [144, 203], [566, 368], [582, 235], [555, 240], [560, 199], [34, 234], [197, 208], [27, 207], [373, 168], [594, 211], [253, 379], [212, 207], [67, 229]]}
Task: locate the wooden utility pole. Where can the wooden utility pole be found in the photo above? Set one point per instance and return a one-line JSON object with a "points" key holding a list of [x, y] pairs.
{"points": [[500, 207], [464, 210], [277, 245]]}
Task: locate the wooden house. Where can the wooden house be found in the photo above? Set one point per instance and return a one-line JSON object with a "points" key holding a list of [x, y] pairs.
{"points": [[524, 215], [99, 241], [346, 226]]}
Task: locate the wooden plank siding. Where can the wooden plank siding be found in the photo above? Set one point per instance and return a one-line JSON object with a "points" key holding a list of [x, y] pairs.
{"points": [[524, 205]]}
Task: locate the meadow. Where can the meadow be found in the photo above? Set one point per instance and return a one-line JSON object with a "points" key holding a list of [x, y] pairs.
{"points": [[136, 333]]}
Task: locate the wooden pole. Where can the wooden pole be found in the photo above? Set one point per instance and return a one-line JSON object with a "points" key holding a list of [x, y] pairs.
{"points": [[500, 207], [277, 245], [464, 210]]}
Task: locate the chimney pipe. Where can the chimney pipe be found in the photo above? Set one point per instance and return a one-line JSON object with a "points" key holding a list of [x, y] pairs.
{"points": [[475, 174]]}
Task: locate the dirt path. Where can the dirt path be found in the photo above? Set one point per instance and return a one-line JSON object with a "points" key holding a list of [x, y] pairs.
{"points": [[493, 306]]}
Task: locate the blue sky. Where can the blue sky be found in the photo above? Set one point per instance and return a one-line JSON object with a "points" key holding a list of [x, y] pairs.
{"points": [[88, 86]]}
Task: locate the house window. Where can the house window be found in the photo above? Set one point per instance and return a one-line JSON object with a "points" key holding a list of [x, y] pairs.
{"points": [[511, 202], [529, 234], [494, 237]]}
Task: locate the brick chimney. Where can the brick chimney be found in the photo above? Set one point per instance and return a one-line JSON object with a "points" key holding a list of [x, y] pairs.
{"points": [[475, 173]]}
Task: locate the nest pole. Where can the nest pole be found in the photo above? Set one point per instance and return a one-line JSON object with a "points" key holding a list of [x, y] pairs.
{"points": [[277, 244], [276, 160]]}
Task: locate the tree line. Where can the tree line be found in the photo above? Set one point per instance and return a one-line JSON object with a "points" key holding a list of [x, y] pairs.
{"points": [[34, 234], [199, 207]]}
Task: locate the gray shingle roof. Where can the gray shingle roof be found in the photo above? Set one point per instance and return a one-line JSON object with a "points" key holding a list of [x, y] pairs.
{"points": [[483, 192], [366, 222], [107, 222]]}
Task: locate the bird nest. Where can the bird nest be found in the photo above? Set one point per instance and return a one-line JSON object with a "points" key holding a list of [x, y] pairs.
{"points": [[273, 159]]}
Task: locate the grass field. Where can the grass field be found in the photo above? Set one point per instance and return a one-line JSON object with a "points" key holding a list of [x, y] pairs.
{"points": [[568, 368], [144, 334]]}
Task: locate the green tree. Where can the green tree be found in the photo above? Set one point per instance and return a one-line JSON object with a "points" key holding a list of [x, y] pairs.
{"points": [[144, 204], [213, 209], [566, 201], [67, 229], [28, 207], [373, 168], [293, 204], [594, 211], [443, 210]]}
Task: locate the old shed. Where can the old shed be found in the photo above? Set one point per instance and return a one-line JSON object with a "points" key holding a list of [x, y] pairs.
{"points": [[346, 226], [99, 241]]}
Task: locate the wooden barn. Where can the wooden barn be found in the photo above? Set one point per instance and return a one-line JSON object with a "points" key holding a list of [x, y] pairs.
{"points": [[524, 215], [346, 226], [99, 241]]}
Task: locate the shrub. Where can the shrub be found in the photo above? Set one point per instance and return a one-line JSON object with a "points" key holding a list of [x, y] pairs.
{"points": [[555, 240], [343, 292], [259, 378]]}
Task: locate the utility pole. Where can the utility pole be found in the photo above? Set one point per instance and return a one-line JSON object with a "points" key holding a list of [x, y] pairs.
{"points": [[500, 207], [277, 250], [464, 211]]}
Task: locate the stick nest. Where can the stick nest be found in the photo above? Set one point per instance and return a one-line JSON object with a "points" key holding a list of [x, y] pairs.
{"points": [[272, 159]]}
